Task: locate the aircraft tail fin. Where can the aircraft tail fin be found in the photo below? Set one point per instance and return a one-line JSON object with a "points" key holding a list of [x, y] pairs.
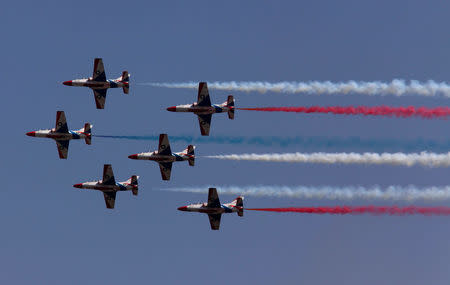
{"points": [[134, 182], [239, 203], [230, 105], [190, 151], [87, 131], [125, 78], [191, 161]]}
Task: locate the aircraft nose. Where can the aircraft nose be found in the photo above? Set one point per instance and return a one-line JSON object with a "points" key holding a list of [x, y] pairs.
{"points": [[79, 185], [133, 156], [172, 109], [68, 83], [31, 134], [184, 208]]}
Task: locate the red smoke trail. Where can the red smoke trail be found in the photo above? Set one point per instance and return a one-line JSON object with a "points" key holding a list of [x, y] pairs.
{"points": [[342, 210], [404, 112]]}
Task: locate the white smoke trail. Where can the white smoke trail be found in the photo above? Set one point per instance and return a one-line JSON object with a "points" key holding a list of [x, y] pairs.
{"points": [[398, 193], [397, 87], [404, 159]]}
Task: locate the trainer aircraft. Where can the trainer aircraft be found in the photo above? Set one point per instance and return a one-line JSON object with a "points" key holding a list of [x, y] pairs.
{"points": [[165, 157], [109, 186], [99, 84], [214, 209], [204, 109], [62, 135]]}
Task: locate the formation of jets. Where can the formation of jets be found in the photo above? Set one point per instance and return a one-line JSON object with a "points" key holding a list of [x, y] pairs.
{"points": [[163, 156]]}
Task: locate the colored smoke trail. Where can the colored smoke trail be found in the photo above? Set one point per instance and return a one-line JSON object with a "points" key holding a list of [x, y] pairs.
{"points": [[404, 159], [397, 87], [397, 193], [374, 210], [401, 112], [304, 142]]}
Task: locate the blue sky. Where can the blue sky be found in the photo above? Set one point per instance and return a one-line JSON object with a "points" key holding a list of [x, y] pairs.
{"points": [[53, 233]]}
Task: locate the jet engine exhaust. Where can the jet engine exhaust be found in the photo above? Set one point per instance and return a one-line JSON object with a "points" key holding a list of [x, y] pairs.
{"points": [[359, 210], [398, 112], [397, 87], [313, 142], [427, 159]]}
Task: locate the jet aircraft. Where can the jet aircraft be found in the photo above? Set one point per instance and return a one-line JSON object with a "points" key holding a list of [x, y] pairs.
{"points": [[62, 135], [110, 187], [203, 108], [214, 209], [165, 157], [99, 84]]}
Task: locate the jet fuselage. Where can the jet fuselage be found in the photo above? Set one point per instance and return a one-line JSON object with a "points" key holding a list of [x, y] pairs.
{"points": [[88, 82], [201, 110], [176, 156], [203, 208], [97, 185], [58, 136]]}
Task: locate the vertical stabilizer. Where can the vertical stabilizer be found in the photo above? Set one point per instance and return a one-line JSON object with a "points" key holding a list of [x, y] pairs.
{"points": [[134, 182], [125, 76]]}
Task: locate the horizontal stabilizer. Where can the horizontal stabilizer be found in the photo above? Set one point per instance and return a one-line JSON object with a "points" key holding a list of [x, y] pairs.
{"points": [[240, 206], [125, 76], [231, 114], [87, 131], [230, 105]]}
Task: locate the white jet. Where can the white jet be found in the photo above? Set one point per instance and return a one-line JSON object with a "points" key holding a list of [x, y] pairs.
{"points": [[62, 135], [99, 84], [214, 209], [165, 157], [110, 187], [204, 109]]}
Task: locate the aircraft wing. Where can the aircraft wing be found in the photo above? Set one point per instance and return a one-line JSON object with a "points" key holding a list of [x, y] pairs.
{"points": [[110, 199], [203, 95], [205, 124], [164, 145], [213, 198], [100, 97], [99, 71], [214, 220], [63, 148], [166, 170], [108, 175], [61, 124]]}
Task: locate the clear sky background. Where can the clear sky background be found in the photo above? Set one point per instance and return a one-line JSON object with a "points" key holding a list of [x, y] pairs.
{"points": [[52, 233]]}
